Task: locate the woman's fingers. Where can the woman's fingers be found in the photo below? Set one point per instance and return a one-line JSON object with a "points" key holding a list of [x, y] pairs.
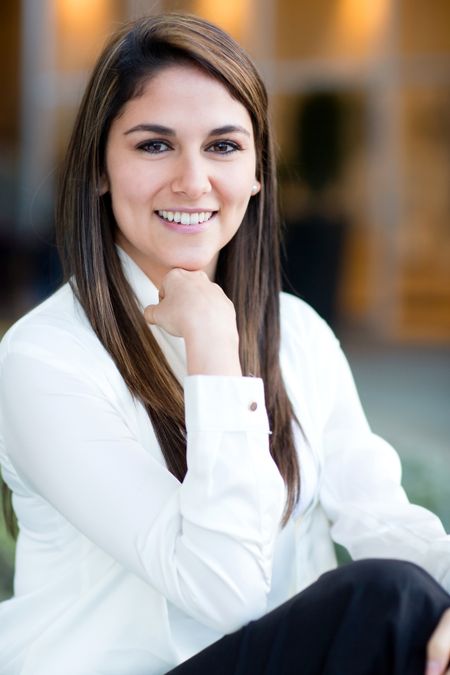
{"points": [[438, 648], [190, 304], [192, 307]]}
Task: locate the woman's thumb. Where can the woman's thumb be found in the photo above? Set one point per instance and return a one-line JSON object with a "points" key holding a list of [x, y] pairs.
{"points": [[149, 314]]}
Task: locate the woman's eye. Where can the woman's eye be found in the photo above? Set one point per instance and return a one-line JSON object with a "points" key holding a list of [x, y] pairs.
{"points": [[154, 147], [223, 147]]}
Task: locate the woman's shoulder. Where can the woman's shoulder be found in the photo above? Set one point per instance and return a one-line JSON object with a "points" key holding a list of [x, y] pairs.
{"points": [[301, 322], [310, 357], [53, 327]]}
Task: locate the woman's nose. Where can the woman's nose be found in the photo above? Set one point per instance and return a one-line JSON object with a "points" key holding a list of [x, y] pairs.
{"points": [[191, 178]]}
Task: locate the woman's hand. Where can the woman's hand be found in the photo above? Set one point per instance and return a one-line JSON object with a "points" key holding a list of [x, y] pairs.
{"points": [[193, 307], [438, 648]]}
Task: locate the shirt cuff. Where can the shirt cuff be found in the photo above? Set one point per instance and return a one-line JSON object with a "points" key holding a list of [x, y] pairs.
{"points": [[225, 403]]}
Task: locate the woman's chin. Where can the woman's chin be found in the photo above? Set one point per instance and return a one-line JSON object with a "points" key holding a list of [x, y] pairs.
{"points": [[197, 265]]}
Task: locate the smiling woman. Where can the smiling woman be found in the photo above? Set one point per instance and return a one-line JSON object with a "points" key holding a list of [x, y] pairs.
{"points": [[171, 396], [194, 175]]}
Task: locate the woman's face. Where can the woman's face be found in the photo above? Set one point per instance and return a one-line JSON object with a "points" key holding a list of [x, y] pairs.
{"points": [[180, 167]]}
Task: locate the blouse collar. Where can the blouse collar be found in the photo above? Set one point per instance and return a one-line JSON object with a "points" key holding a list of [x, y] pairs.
{"points": [[144, 289], [147, 294]]}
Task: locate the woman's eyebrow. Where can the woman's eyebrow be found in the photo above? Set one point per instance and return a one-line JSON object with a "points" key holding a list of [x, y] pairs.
{"points": [[167, 131], [156, 128], [229, 129]]}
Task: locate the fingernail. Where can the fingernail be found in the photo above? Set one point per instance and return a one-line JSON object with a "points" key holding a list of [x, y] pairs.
{"points": [[434, 668]]}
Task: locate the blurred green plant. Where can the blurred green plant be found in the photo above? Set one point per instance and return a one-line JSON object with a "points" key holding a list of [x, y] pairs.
{"points": [[7, 550]]}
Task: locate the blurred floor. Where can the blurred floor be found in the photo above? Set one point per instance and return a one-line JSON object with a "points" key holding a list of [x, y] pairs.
{"points": [[405, 392]]}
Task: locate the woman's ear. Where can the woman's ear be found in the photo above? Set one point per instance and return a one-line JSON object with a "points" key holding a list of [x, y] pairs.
{"points": [[103, 185]]}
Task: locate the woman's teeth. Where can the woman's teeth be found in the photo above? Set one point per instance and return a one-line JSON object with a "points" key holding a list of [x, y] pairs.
{"points": [[185, 218]]}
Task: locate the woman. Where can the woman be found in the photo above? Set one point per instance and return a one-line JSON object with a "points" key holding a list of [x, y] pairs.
{"points": [[155, 516]]}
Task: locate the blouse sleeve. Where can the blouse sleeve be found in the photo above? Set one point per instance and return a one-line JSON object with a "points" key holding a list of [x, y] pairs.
{"points": [[361, 489], [206, 544]]}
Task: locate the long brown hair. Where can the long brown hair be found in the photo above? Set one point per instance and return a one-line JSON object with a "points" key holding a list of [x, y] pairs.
{"points": [[248, 268]]}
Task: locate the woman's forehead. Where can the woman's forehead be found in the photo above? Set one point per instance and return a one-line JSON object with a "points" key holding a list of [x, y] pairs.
{"points": [[183, 97]]}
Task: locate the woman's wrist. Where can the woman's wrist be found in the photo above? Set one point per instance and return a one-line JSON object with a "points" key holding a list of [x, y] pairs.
{"points": [[213, 353]]}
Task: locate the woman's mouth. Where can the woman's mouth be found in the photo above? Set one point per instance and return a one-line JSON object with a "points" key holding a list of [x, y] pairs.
{"points": [[185, 218]]}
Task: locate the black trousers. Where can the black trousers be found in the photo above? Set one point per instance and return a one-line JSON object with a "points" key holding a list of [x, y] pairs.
{"points": [[371, 617]]}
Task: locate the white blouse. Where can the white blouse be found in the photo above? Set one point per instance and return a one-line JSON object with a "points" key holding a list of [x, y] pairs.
{"points": [[119, 567]]}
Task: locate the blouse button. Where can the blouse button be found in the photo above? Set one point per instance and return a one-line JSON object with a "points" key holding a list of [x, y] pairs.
{"points": [[253, 405]]}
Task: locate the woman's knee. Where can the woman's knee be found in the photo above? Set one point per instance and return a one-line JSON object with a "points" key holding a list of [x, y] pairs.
{"points": [[380, 584], [387, 586], [383, 572]]}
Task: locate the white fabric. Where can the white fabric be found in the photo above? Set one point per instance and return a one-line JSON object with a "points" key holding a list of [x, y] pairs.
{"points": [[122, 569]]}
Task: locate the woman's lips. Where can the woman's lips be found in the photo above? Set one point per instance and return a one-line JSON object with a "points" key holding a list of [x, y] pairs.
{"points": [[185, 217], [186, 221]]}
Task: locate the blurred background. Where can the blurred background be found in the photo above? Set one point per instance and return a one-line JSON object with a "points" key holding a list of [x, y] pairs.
{"points": [[360, 96]]}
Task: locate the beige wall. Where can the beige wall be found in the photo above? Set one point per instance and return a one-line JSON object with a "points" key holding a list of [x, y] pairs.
{"points": [[390, 57]]}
